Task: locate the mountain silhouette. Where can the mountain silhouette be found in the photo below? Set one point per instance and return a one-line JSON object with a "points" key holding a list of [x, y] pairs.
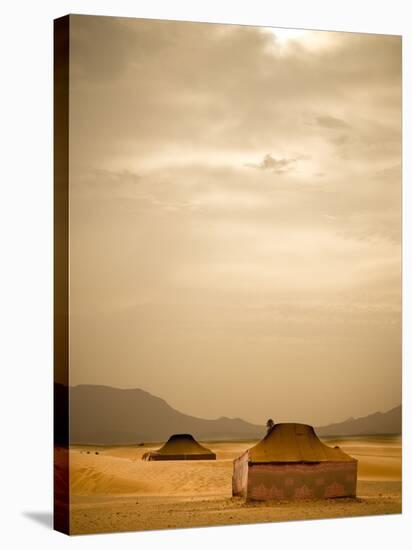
{"points": [[106, 415], [103, 415], [389, 422]]}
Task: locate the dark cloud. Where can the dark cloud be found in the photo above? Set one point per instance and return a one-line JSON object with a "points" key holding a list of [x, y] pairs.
{"points": [[340, 140], [331, 122], [277, 166]]}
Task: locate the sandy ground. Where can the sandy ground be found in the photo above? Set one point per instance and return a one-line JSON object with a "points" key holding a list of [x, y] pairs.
{"points": [[112, 489]]}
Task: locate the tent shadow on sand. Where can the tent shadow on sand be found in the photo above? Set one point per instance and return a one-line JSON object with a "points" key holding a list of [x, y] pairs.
{"points": [[290, 463], [180, 447]]}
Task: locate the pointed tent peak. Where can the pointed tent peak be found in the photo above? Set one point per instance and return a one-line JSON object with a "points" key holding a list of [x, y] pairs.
{"points": [[293, 442], [181, 437], [291, 427]]}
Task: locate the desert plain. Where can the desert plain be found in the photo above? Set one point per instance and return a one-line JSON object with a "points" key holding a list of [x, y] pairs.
{"points": [[112, 489]]}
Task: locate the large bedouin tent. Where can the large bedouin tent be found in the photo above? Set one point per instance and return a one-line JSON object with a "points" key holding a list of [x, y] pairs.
{"points": [[292, 463], [181, 447]]}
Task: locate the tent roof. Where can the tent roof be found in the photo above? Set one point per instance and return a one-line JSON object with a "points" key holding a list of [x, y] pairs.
{"points": [[292, 442], [182, 444]]}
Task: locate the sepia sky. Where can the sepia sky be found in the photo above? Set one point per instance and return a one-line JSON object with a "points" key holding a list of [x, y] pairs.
{"points": [[235, 216]]}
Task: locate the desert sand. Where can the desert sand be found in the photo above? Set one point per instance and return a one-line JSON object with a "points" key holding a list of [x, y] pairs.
{"points": [[113, 489]]}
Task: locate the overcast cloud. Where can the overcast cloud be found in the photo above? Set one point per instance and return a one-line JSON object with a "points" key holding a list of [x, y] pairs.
{"points": [[235, 217]]}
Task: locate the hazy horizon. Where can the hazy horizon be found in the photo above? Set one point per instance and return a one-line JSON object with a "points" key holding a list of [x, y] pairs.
{"points": [[262, 422], [235, 217]]}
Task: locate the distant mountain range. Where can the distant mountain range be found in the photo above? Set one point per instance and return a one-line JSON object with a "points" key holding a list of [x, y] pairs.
{"points": [[389, 422], [109, 416]]}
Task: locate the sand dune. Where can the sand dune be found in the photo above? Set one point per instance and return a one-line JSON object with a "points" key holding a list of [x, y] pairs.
{"points": [[121, 470], [105, 488]]}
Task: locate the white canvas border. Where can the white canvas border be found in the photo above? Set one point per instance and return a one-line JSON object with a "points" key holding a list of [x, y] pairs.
{"points": [[26, 274]]}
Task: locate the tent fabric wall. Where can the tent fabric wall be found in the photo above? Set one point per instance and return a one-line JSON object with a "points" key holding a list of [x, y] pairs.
{"points": [[240, 476], [301, 481], [158, 456]]}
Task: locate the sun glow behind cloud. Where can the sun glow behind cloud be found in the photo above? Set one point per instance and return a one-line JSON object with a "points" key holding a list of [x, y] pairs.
{"points": [[308, 39]]}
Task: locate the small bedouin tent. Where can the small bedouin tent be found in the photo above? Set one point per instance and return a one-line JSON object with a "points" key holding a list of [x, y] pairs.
{"points": [[181, 447], [292, 463]]}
